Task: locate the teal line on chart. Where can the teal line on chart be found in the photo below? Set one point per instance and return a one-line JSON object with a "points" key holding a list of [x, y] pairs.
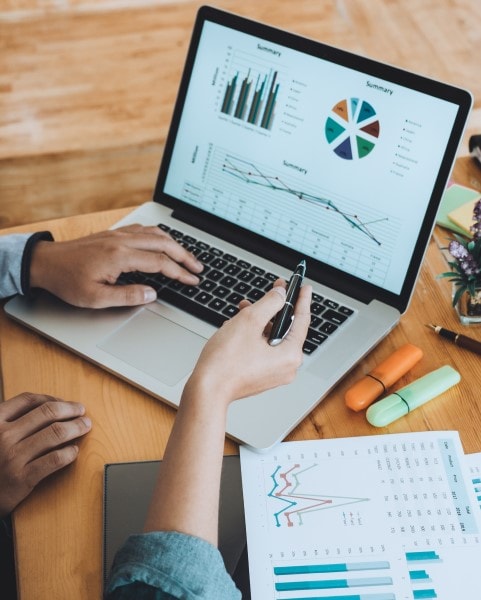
{"points": [[384, 596], [329, 584], [332, 568], [256, 177]]}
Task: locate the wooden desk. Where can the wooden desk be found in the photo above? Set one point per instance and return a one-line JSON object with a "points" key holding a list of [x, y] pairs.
{"points": [[87, 86], [59, 527]]}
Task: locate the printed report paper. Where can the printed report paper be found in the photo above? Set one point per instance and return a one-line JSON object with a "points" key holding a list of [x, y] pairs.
{"points": [[389, 517]]}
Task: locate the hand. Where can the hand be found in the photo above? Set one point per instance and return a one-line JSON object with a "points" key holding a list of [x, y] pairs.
{"points": [[238, 361], [82, 271], [37, 435]]}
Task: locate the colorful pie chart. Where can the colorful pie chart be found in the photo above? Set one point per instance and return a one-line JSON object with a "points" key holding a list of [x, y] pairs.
{"points": [[352, 128]]}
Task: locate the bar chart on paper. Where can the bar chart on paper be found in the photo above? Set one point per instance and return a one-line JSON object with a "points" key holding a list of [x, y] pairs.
{"points": [[383, 518]]}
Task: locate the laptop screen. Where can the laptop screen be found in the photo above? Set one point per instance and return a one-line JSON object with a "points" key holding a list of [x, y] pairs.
{"points": [[335, 157]]}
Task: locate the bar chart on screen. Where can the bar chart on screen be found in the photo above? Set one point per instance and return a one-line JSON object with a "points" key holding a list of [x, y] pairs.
{"points": [[380, 518]]}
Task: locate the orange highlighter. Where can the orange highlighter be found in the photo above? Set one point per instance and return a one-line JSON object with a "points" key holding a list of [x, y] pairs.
{"points": [[364, 392]]}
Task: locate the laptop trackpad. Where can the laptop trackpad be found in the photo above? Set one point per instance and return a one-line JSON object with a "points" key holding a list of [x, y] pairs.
{"points": [[156, 346]]}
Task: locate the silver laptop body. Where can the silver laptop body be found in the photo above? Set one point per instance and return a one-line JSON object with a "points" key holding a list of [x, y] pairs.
{"points": [[282, 148]]}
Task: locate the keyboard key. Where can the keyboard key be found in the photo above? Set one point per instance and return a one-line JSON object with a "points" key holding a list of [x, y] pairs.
{"points": [[271, 276], [217, 304], [190, 291], [260, 282], [230, 257], [189, 239], [232, 269], [230, 311], [175, 285], [195, 250], [207, 285], [245, 275], [328, 327], [235, 298], [203, 297], [221, 291], [228, 281], [163, 226], [345, 310], [257, 270], [255, 294], [218, 263], [335, 317], [308, 347], [242, 288], [243, 264], [316, 337], [215, 275], [317, 308], [330, 303], [205, 257], [315, 321], [216, 251], [202, 245], [175, 233]]}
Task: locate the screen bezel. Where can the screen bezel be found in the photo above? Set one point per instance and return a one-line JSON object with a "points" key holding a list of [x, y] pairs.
{"points": [[317, 270]]}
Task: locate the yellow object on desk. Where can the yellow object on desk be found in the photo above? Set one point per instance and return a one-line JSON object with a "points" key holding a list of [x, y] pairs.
{"points": [[463, 215]]}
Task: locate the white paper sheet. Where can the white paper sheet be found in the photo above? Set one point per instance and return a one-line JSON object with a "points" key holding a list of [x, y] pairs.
{"points": [[370, 518]]}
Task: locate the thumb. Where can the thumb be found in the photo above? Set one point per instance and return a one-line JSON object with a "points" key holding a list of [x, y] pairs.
{"points": [[124, 295]]}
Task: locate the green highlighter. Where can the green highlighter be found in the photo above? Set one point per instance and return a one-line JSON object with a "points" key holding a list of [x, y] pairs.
{"points": [[412, 396]]}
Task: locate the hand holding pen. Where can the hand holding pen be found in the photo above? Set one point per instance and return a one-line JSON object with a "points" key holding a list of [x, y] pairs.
{"points": [[284, 318]]}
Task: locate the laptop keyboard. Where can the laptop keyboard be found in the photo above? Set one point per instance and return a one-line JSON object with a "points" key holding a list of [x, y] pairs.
{"points": [[225, 281]]}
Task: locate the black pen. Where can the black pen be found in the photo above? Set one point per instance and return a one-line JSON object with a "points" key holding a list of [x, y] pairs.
{"points": [[457, 338], [284, 318]]}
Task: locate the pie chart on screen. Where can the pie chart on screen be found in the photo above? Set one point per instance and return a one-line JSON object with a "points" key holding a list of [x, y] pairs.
{"points": [[352, 128]]}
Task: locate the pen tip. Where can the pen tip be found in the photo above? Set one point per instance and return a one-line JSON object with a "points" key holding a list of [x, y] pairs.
{"points": [[431, 326]]}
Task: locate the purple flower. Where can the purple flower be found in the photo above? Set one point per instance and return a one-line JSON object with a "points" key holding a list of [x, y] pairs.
{"points": [[465, 260]]}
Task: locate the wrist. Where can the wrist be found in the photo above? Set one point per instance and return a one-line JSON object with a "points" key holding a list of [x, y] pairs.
{"points": [[204, 391]]}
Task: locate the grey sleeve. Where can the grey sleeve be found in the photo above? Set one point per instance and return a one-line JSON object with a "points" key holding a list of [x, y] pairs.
{"points": [[11, 255]]}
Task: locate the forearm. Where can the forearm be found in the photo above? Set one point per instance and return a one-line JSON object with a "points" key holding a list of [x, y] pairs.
{"points": [[186, 497]]}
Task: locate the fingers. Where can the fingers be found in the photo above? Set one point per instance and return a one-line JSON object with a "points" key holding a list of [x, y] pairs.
{"points": [[21, 404], [166, 261], [270, 304], [156, 242], [44, 410], [49, 463], [302, 314], [53, 438]]}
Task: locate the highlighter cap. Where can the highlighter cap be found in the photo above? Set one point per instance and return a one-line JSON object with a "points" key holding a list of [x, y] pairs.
{"points": [[363, 393]]}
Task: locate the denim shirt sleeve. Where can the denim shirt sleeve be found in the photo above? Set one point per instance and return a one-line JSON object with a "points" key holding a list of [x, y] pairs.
{"points": [[167, 565], [15, 258], [11, 254]]}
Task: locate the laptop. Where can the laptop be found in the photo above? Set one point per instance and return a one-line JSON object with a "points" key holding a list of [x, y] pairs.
{"points": [[280, 148]]}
